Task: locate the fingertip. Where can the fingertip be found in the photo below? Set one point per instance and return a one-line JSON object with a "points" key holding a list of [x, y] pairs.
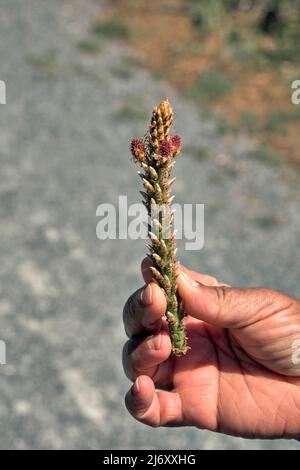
{"points": [[195, 296], [166, 345], [154, 312], [146, 387], [140, 396], [191, 275], [186, 285], [146, 271], [219, 305], [154, 409], [199, 278], [180, 268]]}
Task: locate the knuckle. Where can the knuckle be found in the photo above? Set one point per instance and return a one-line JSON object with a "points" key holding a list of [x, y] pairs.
{"points": [[222, 294], [222, 300], [276, 302], [172, 408]]}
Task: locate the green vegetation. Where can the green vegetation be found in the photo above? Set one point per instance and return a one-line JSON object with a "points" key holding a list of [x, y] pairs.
{"points": [[90, 46], [211, 85], [132, 62], [266, 154], [86, 72], [267, 221], [200, 153], [128, 112], [46, 66], [43, 62], [223, 126], [278, 19], [276, 122], [132, 109], [122, 72], [206, 15], [113, 27], [249, 122]]}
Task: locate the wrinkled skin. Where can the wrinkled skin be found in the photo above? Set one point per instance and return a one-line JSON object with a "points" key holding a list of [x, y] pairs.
{"points": [[238, 377]]}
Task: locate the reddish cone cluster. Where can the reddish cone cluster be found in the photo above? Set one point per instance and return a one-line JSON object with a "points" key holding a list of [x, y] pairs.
{"points": [[176, 144], [169, 148], [137, 149], [165, 149]]}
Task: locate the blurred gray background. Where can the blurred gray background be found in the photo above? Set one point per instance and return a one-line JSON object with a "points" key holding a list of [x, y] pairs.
{"points": [[64, 140]]}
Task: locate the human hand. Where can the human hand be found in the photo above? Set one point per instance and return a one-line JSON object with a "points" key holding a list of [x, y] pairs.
{"points": [[241, 375]]}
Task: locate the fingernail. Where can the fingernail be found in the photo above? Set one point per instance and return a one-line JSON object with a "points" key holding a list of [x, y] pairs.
{"points": [[146, 269], [154, 342], [187, 280], [146, 295], [135, 389]]}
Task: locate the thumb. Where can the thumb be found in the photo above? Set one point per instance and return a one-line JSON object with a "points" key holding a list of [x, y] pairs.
{"points": [[227, 307]]}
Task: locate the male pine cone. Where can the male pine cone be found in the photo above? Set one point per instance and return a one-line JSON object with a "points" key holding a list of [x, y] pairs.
{"points": [[156, 153]]}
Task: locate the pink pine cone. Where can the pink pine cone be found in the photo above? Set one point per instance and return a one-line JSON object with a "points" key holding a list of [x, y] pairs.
{"points": [[137, 146], [165, 148], [176, 142]]}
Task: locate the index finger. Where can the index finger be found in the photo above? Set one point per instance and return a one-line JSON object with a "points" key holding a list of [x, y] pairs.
{"points": [[144, 310], [205, 279]]}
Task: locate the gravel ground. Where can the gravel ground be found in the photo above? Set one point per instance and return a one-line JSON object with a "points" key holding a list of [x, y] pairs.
{"points": [[63, 147]]}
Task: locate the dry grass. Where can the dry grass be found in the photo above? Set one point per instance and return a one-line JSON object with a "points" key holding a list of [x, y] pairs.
{"points": [[250, 82]]}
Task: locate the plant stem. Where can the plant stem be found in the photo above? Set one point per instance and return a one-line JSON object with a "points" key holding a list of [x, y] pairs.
{"points": [[156, 154]]}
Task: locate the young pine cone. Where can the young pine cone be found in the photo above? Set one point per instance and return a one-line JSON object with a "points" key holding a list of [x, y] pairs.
{"points": [[155, 153]]}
